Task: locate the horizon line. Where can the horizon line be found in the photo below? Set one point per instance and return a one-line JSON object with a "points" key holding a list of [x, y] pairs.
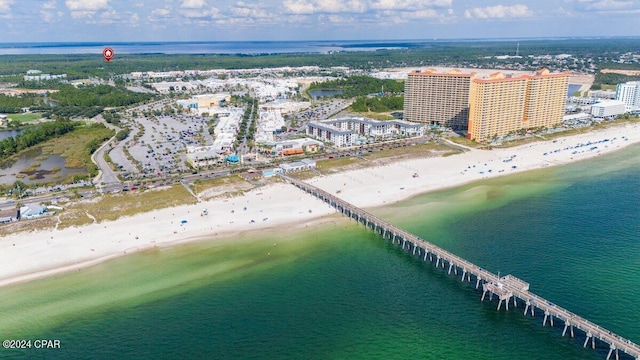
{"points": [[526, 38]]}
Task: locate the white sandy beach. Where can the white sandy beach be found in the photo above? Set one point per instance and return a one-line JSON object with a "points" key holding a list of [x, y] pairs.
{"points": [[27, 256]]}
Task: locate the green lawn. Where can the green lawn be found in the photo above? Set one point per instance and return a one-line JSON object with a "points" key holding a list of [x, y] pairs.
{"points": [[22, 118]]}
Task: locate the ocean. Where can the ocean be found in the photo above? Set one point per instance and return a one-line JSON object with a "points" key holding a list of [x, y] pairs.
{"points": [[338, 291], [208, 47]]}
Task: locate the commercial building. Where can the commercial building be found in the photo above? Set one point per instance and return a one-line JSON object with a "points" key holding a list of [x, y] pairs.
{"points": [[204, 156], [608, 109], [302, 165], [438, 98], [289, 147], [225, 135], [205, 102], [349, 131], [629, 94], [500, 104], [602, 94]]}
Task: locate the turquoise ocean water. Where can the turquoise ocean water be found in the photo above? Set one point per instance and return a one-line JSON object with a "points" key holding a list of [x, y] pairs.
{"points": [[337, 291]]}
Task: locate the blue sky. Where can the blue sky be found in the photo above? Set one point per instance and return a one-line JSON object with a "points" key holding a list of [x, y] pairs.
{"points": [[218, 20]]}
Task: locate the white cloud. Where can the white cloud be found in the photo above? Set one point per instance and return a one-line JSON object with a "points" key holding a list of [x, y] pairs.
{"points": [[298, 7], [301, 7], [498, 11], [134, 19], [48, 16], [160, 13], [49, 5], [5, 6], [424, 14], [606, 5], [86, 8], [243, 9], [193, 4], [87, 5], [408, 4], [212, 13]]}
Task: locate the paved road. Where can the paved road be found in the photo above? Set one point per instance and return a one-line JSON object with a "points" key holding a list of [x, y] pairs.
{"points": [[106, 176]]}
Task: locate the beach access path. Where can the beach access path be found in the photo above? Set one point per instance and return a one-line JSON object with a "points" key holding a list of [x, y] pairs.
{"points": [[28, 256]]}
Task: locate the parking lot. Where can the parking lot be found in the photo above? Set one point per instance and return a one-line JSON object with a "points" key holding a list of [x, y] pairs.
{"points": [[161, 147]]}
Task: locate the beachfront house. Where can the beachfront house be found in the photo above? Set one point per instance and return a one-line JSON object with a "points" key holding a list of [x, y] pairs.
{"points": [[31, 211]]}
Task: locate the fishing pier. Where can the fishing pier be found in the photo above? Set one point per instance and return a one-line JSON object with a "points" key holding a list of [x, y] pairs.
{"points": [[507, 289]]}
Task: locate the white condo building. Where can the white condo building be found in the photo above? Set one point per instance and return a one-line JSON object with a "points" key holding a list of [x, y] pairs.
{"points": [[608, 109], [629, 94], [349, 131]]}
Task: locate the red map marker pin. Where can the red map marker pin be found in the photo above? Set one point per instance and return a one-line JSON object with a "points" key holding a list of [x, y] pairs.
{"points": [[107, 53]]}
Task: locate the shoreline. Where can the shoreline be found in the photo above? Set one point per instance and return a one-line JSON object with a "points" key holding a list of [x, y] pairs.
{"points": [[29, 256]]}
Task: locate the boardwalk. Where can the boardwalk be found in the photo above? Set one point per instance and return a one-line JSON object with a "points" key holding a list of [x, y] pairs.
{"points": [[506, 288]]}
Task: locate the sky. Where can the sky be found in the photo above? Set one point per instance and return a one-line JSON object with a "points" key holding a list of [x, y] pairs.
{"points": [[233, 20]]}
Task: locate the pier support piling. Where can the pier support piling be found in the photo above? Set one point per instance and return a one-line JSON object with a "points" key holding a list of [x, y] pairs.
{"points": [[611, 351], [503, 287]]}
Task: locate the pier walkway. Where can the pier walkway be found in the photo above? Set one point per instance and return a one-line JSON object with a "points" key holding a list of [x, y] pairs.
{"points": [[506, 288]]}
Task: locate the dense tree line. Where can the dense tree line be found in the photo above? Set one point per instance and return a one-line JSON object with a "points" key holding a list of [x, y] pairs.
{"points": [[34, 136], [378, 104], [112, 117], [68, 112], [41, 84], [97, 95], [249, 113], [123, 134], [611, 79], [359, 86], [14, 104]]}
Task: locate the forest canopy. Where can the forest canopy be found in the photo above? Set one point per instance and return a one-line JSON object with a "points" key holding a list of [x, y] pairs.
{"points": [[97, 95], [360, 86]]}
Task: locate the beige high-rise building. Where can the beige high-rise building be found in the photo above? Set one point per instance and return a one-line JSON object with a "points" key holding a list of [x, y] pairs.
{"points": [[499, 105], [496, 105], [546, 97], [437, 98]]}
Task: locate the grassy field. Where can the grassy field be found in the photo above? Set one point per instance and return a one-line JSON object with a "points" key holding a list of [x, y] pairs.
{"points": [[411, 152], [228, 186], [464, 141], [334, 165], [330, 166], [44, 223], [377, 116], [111, 207], [24, 118], [72, 146]]}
